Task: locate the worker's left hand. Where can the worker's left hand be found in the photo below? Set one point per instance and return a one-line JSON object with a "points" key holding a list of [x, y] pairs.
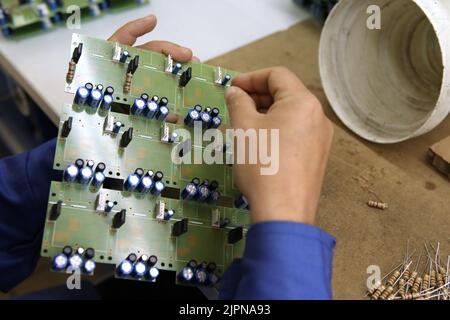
{"points": [[130, 32]]}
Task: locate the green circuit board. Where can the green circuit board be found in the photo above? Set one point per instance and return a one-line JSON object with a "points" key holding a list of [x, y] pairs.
{"points": [[82, 220], [19, 18]]}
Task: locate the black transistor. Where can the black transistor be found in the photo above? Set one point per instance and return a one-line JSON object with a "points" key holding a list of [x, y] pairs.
{"points": [[180, 227], [76, 54], [67, 126], [133, 65], [235, 235], [119, 219], [185, 77], [127, 136], [55, 211]]}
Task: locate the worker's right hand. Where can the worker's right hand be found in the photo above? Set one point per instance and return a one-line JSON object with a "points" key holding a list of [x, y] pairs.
{"points": [[275, 98]]}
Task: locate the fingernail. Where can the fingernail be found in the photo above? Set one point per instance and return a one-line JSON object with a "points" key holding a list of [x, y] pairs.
{"points": [[230, 92]]}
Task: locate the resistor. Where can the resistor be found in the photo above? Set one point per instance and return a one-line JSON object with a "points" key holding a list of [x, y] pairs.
{"points": [[412, 296], [378, 292], [439, 280], [433, 279], [416, 285], [127, 84], [401, 287], [412, 278], [426, 281], [71, 71], [387, 292], [377, 205], [372, 290], [391, 296], [393, 278], [406, 275]]}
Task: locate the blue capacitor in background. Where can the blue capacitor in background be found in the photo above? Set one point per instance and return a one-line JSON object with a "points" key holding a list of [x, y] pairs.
{"points": [[215, 122], [131, 182], [95, 97], [145, 184], [81, 95], [186, 274], [151, 109], [59, 262], [206, 119], [106, 102], [85, 175], [125, 268], [162, 113], [189, 192], [98, 179], [116, 127], [202, 193], [71, 173], [157, 188], [193, 115], [138, 107], [124, 56], [176, 68]]}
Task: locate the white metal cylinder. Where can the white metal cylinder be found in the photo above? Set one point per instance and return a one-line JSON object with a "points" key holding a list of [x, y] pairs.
{"points": [[393, 83]]}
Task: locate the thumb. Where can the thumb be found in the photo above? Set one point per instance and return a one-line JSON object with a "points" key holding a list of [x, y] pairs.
{"points": [[240, 105]]}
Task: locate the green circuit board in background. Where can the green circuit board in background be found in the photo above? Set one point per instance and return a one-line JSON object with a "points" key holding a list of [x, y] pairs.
{"points": [[82, 224], [20, 18]]}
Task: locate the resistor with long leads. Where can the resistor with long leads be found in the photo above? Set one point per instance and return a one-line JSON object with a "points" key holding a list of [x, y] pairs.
{"points": [[439, 280], [406, 275], [378, 292], [393, 278], [412, 296], [426, 281], [416, 285], [412, 278], [73, 63], [401, 286], [433, 279], [132, 67], [377, 205], [386, 293]]}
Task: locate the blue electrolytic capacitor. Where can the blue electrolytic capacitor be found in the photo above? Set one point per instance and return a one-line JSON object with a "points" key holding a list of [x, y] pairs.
{"points": [[214, 196], [109, 205], [98, 179], [59, 262], [189, 192], [145, 184], [140, 269], [124, 56], [200, 276], [241, 202], [176, 68], [162, 113], [2, 18], [151, 109], [215, 112], [76, 261], [186, 274], [131, 182], [137, 107], [155, 98], [169, 214], [106, 102], [89, 266], [85, 175], [202, 193], [81, 95], [153, 273], [125, 268], [71, 173], [206, 119], [117, 126], [95, 97], [157, 188], [226, 79], [163, 101], [215, 122], [193, 115]]}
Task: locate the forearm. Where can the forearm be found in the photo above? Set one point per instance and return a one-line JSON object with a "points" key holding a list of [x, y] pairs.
{"points": [[282, 260], [24, 186]]}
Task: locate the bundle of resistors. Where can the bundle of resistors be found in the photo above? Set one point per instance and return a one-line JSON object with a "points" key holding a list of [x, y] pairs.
{"points": [[425, 278]]}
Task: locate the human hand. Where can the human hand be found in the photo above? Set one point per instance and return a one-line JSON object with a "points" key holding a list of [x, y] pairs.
{"points": [[275, 98], [130, 32]]}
